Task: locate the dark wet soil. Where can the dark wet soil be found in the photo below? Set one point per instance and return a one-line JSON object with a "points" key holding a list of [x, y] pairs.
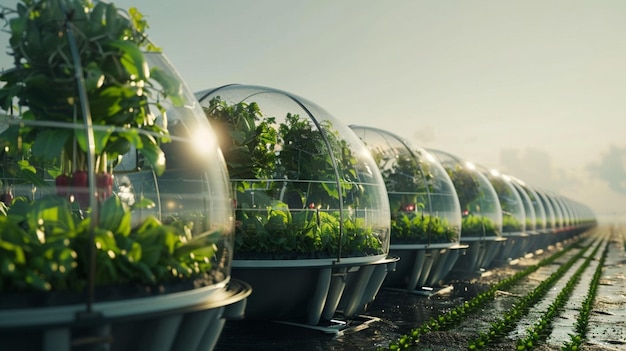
{"points": [[394, 313]]}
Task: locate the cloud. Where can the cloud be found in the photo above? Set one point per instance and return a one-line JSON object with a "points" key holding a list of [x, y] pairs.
{"points": [[611, 169], [425, 135], [536, 168]]}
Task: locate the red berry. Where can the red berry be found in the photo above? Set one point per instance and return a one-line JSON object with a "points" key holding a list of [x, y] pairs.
{"points": [[80, 179], [80, 188], [63, 185], [7, 197], [104, 182]]}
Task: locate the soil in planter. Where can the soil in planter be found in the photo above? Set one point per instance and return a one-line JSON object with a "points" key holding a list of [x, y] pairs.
{"points": [[395, 313]]}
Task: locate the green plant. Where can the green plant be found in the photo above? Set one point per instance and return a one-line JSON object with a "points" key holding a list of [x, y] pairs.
{"points": [[409, 183], [510, 223], [45, 241], [284, 179], [540, 330], [463, 311], [414, 227], [44, 246], [582, 322], [476, 225], [510, 204], [502, 326], [120, 88], [472, 202], [467, 188]]}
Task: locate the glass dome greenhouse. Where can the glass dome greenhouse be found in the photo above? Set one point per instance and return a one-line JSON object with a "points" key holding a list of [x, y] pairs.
{"points": [[549, 210], [541, 241], [481, 225], [305, 186], [309, 197], [513, 216], [537, 205], [118, 207], [424, 205], [529, 210], [568, 215], [559, 217], [425, 212]]}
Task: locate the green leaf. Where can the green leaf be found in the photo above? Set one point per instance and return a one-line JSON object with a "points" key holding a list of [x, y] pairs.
{"points": [[101, 138], [171, 85], [132, 58], [50, 142], [199, 242], [153, 154], [13, 252], [115, 217]]}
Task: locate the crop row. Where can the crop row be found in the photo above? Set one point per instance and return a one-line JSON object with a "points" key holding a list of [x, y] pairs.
{"points": [[541, 329], [460, 313], [582, 322], [504, 325]]}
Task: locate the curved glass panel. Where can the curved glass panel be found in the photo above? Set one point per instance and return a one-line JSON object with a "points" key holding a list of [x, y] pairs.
{"points": [[549, 209], [513, 216], [577, 214], [529, 210], [156, 202], [424, 205], [559, 215], [576, 210], [306, 187], [568, 215], [537, 204], [480, 207]]}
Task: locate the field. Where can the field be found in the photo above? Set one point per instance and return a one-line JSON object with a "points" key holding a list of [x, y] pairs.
{"points": [[570, 297]]}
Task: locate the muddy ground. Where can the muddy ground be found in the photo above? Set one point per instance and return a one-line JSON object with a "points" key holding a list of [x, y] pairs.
{"points": [[394, 313]]}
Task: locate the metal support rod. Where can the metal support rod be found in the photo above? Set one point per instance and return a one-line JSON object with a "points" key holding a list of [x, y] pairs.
{"points": [[84, 104]]}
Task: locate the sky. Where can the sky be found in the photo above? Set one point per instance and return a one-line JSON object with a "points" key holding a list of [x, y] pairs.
{"points": [[533, 88]]}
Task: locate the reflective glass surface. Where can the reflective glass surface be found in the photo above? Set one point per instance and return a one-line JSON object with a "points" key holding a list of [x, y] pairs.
{"points": [[480, 207], [306, 187], [424, 205]]}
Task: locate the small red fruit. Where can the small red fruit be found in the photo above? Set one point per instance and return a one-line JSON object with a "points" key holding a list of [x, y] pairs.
{"points": [[7, 196], [104, 182], [80, 188], [63, 185]]}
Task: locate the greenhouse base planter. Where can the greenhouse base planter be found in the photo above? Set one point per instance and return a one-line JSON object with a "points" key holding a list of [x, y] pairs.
{"points": [[186, 320], [540, 241], [515, 246], [311, 292], [422, 268], [478, 256]]}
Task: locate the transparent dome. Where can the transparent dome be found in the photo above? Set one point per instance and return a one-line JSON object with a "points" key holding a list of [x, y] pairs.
{"points": [[568, 215], [559, 217], [424, 205], [480, 207], [306, 187], [539, 211], [513, 215], [529, 210], [551, 216], [142, 176]]}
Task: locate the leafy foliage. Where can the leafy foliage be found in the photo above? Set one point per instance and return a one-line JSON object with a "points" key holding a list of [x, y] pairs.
{"points": [[581, 326], [119, 84], [44, 246], [474, 225], [502, 326], [415, 227], [290, 180], [409, 183]]}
